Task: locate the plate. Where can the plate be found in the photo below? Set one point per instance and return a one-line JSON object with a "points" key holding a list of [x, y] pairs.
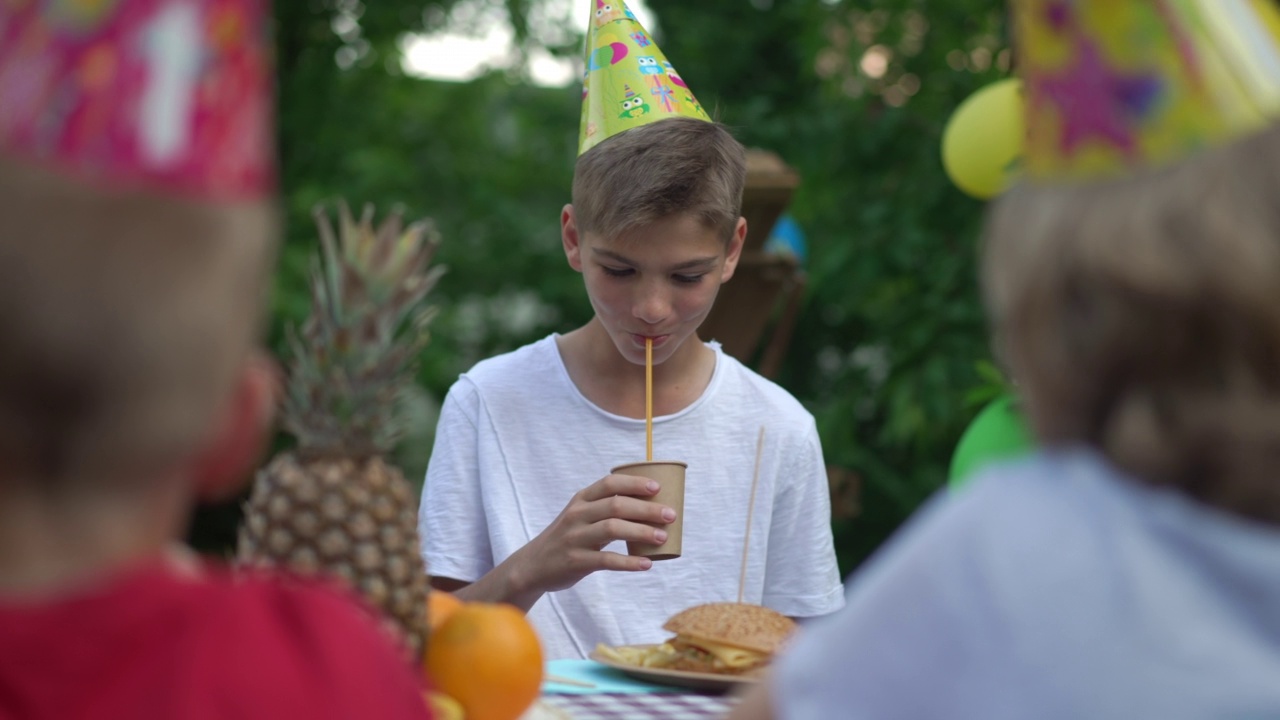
{"points": [[677, 678]]}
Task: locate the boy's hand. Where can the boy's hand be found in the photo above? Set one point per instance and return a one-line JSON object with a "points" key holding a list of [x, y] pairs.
{"points": [[572, 547]]}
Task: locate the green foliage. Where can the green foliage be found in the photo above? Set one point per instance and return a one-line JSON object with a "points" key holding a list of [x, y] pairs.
{"points": [[891, 338]]}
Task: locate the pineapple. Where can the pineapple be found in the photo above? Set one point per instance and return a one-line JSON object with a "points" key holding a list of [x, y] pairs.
{"points": [[334, 504]]}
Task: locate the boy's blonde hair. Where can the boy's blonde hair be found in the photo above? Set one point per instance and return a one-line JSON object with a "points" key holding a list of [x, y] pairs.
{"points": [[1142, 317], [124, 318], [670, 167]]}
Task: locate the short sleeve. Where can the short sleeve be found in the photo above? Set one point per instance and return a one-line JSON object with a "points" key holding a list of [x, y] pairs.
{"points": [[802, 578], [451, 518]]}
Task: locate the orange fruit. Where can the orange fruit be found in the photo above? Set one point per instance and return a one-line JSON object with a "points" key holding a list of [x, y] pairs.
{"points": [[440, 605], [488, 658]]}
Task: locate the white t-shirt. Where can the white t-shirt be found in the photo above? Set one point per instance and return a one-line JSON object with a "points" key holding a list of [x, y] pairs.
{"points": [[516, 440], [1053, 589]]}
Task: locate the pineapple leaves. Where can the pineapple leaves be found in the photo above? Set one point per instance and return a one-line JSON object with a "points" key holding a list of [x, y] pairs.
{"points": [[354, 359], [325, 287]]}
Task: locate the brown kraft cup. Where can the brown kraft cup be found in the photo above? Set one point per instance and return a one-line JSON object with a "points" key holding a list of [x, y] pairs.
{"points": [[670, 476]]}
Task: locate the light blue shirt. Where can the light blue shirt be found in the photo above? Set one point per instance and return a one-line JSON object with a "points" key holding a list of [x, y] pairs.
{"points": [[1052, 588]]}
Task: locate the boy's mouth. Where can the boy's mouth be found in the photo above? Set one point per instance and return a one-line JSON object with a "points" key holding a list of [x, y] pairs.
{"points": [[657, 339]]}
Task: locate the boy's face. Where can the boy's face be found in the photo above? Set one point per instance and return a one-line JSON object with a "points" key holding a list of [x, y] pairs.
{"points": [[655, 281]]}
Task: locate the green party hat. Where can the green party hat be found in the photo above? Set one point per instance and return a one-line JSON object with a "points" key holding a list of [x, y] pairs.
{"points": [[628, 82]]}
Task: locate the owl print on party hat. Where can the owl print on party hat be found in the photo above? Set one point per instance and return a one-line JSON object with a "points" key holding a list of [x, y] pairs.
{"points": [[170, 95], [628, 82], [1115, 85]]}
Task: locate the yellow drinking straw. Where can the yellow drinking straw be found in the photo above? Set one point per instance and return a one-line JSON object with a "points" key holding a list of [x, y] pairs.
{"points": [[648, 399]]}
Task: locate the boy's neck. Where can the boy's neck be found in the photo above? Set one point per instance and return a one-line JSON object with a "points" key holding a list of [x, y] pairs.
{"points": [[616, 385], [51, 542]]}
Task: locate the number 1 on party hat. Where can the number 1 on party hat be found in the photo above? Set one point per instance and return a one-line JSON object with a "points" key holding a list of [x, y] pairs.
{"points": [[628, 82], [141, 94]]}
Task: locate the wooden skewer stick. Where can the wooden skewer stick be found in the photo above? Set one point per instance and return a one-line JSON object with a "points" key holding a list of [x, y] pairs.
{"points": [[568, 681], [751, 506]]}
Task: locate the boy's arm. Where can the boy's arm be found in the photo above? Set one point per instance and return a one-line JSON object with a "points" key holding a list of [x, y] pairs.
{"points": [[571, 547], [455, 533]]}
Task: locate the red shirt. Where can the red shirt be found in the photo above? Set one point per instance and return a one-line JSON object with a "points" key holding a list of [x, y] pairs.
{"points": [[152, 643]]}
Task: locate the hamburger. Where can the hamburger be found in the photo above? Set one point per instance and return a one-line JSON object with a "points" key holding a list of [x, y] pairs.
{"points": [[723, 638], [726, 638]]}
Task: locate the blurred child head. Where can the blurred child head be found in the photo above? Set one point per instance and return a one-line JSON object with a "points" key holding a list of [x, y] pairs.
{"points": [[139, 229], [1141, 316], [127, 320]]}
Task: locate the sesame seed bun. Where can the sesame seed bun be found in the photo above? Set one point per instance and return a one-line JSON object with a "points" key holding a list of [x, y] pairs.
{"points": [[750, 627]]}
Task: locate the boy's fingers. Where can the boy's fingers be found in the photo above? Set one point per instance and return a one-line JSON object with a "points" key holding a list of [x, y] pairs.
{"points": [[610, 529], [627, 508], [620, 485], [624, 563]]}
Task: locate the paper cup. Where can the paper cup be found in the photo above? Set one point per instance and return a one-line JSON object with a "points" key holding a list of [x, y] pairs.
{"points": [[670, 475]]}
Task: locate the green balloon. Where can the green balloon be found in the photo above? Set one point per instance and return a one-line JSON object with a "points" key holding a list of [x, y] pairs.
{"points": [[997, 433]]}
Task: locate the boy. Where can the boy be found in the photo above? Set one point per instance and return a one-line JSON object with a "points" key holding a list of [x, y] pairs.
{"points": [[1132, 569], [134, 256], [518, 502]]}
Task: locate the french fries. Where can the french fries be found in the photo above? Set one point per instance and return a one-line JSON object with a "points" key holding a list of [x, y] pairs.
{"points": [[657, 656]]}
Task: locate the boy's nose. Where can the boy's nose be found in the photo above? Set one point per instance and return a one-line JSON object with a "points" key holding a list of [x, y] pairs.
{"points": [[651, 307]]}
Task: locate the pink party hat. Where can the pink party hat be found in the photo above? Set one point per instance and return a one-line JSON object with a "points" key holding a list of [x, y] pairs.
{"points": [[168, 95]]}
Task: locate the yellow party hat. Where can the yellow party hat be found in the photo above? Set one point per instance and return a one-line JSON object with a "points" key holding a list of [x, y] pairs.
{"points": [[628, 81], [1112, 85]]}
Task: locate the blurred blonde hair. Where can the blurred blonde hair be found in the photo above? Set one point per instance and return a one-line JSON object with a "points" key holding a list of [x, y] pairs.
{"points": [[125, 318], [670, 167], [1142, 317]]}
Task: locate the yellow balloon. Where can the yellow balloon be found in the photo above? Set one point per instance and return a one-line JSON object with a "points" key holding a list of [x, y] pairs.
{"points": [[982, 143]]}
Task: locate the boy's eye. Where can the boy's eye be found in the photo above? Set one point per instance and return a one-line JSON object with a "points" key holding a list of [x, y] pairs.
{"points": [[689, 279], [616, 272]]}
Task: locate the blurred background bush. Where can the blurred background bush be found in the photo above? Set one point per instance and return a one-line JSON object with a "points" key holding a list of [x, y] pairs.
{"points": [[889, 350]]}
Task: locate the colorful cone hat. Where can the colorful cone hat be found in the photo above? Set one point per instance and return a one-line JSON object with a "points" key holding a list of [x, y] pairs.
{"points": [[628, 81], [167, 95], [1113, 85]]}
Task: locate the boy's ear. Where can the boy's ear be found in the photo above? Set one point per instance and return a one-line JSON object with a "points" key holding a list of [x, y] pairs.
{"points": [[570, 238], [735, 250], [240, 436]]}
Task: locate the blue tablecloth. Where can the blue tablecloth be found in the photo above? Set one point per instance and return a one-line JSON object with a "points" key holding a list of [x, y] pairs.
{"points": [[613, 695], [605, 680]]}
